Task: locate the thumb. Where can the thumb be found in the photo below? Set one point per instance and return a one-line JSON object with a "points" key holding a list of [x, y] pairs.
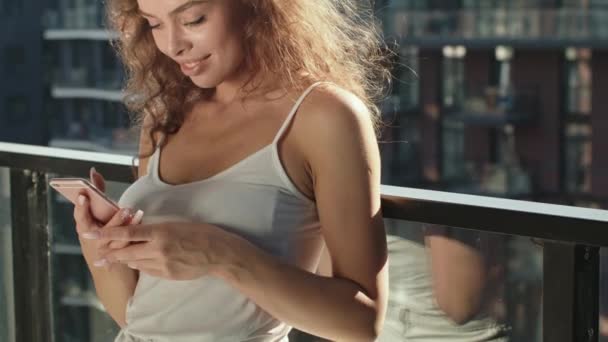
{"points": [[97, 180]]}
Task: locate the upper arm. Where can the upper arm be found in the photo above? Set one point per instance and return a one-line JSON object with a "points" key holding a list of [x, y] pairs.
{"points": [[460, 273], [344, 160]]}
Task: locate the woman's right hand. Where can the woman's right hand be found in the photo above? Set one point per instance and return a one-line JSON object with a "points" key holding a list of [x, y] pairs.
{"points": [[100, 183], [86, 223]]}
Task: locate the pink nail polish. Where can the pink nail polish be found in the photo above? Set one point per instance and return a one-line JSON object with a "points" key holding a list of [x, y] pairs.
{"points": [[137, 217], [91, 235], [100, 263]]}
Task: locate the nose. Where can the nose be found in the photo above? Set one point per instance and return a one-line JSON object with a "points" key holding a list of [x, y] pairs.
{"points": [[177, 43]]}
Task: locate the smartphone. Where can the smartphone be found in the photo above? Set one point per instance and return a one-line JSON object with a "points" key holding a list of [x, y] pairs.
{"points": [[102, 207]]}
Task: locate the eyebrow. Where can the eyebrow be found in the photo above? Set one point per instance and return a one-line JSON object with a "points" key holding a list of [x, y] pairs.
{"points": [[178, 9]]}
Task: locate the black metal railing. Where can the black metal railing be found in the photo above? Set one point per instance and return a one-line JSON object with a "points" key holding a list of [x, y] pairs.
{"points": [[571, 237]]}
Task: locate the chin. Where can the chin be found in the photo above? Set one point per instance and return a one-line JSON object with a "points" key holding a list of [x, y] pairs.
{"points": [[202, 81]]}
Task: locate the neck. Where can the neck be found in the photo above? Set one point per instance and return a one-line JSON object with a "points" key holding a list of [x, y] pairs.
{"points": [[243, 86]]}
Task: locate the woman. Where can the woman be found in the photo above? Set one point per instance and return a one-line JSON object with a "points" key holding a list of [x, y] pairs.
{"points": [[257, 148]]}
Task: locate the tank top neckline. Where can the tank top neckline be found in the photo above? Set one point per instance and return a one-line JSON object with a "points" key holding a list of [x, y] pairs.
{"points": [[154, 166]]}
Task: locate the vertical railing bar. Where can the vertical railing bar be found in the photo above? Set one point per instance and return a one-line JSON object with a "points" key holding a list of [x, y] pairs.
{"points": [[31, 253], [586, 295], [558, 292]]}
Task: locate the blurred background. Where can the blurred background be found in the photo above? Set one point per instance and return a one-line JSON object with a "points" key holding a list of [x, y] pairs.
{"points": [[498, 98], [492, 97]]}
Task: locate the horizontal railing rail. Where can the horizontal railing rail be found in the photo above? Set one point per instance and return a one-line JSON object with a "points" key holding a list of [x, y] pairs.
{"points": [[497, 215], [572, 236]]}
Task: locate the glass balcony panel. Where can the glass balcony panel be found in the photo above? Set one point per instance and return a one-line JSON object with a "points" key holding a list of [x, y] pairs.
{"points": [[7, 319], [450, 284], [500, 276], [603, 319], [431, 270], [79, 315]]}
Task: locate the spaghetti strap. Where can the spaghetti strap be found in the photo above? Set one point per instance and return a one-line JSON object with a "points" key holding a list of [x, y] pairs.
{"points": [[293, 111], [153, 161]]}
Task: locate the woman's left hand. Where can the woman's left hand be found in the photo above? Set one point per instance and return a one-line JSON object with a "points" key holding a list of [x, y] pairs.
{"points": [[175, 250]]}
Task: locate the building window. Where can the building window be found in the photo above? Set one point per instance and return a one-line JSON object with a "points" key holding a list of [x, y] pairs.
{"points": [[578, 158], [14, 58], [453, 76], [11, 7], [16, 109], [578, 83], [577, 134]]}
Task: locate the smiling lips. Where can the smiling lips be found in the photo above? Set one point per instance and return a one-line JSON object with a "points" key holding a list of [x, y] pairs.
{"points": [[192, 68]]}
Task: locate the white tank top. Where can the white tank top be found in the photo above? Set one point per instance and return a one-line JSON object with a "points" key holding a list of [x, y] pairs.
{"points": [[253, 198]]}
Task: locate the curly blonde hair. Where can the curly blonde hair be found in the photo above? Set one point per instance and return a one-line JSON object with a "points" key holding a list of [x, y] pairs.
{"points": [[330, 40]]}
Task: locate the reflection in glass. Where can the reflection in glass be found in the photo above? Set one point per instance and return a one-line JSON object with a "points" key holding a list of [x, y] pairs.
{"points": [[449, 284]]}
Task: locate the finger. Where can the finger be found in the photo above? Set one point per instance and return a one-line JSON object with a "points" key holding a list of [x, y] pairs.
{"points": [[120, 218], [138, 233], [134, 252], [135, 220], [97, 179], [82, 215], [118, 244], [127, 219], [137, 217], [149, 266], [113, 245]]}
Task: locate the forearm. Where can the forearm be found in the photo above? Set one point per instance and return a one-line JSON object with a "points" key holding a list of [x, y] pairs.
{"points": [[114, 285], [332, 308]]}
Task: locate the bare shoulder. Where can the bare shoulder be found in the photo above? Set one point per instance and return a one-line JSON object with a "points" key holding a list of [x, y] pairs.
{"points": [[332, 105], [333, 119]]}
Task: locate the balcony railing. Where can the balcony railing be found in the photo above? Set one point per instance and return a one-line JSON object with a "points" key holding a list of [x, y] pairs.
{"points": [[561, 27], [75, 18], [569, 239]]}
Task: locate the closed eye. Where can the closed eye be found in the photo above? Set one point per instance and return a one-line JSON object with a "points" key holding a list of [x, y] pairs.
{"points": [[150, 26], [197, 21]]}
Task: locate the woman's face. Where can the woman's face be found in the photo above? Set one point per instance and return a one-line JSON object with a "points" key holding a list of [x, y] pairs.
{"points": [[202, 36]]}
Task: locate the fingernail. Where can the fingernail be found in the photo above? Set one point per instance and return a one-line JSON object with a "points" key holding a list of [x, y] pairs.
{"points": [[100, 263], [91, 235], [93, 170], [125, 214], [81, 199], [138, 216], [132, 266]]}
